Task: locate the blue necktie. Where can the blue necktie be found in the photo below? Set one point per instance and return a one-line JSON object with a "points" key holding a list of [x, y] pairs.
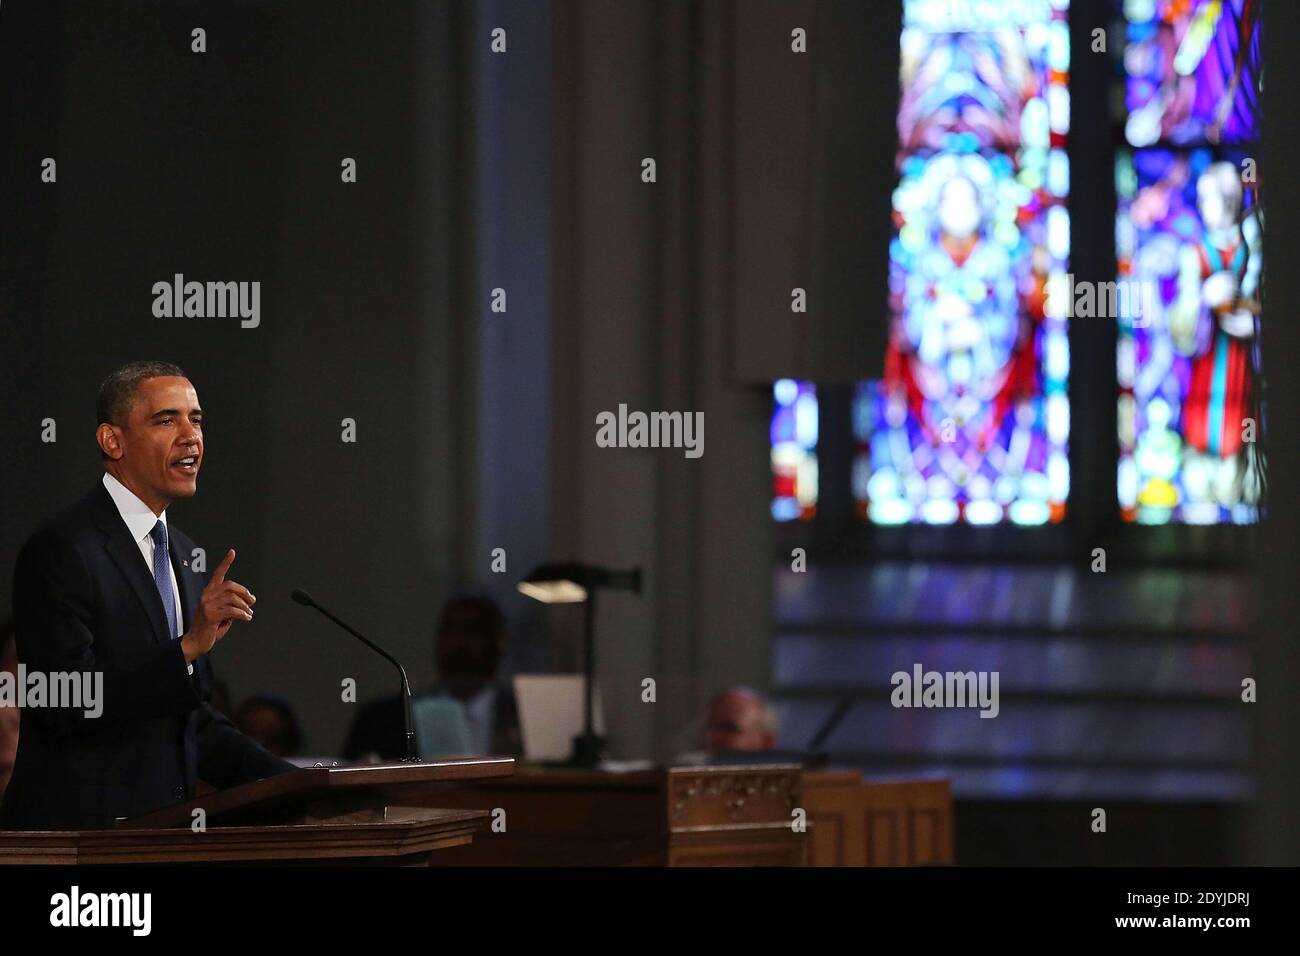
{"points": [[162, 577]]}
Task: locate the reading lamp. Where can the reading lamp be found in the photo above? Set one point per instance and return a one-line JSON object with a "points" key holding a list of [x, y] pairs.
{"points": [[570, 583]]}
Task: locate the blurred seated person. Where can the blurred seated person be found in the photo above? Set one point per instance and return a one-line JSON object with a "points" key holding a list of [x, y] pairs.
{"points": [[269, 719], [8, 715], [468, 646], [739, 719]]}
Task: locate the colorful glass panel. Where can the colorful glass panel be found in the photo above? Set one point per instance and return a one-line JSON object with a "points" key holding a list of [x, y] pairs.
{"points": [[970, 421], [1189, 229], [794, 450]]}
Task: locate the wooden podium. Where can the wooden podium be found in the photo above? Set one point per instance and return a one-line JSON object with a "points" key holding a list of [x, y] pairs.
{"points": [[319, 815], [674, 816], [876, 822]]}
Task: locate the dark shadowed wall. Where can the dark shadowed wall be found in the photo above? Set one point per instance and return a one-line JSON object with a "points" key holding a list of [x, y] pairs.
{"points": [[225, 165]]}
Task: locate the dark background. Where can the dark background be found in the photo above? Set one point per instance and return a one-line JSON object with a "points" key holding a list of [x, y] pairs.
{"points": [[226, 166]]}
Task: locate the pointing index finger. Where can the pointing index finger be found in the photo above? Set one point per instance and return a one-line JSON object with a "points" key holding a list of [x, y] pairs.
{"points": [[219, 575]]}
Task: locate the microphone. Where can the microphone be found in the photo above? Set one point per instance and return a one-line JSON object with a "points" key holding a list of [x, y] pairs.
{"points": [[306, 600], [838, 714]]}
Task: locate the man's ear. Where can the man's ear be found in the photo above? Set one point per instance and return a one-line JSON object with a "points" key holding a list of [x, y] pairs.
{"points": [[110, 442]]}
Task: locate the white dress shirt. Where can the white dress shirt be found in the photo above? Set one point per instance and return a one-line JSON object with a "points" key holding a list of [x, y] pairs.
{"points": [[140, 519]]}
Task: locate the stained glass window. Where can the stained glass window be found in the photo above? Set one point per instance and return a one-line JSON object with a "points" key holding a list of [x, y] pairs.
{"points": [[971, 419], [794, 450], [1189, 228]]}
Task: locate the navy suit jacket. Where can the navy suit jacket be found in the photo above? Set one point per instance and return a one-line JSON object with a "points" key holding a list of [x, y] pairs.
{"points": [[85, 600]]}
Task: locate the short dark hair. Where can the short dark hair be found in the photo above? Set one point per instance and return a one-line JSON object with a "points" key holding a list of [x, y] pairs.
{"points": [[473, 612], [118, 391], [290, 738]]}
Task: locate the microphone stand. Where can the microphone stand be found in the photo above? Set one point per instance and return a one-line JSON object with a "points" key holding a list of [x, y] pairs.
{"points": [[412, 752]]}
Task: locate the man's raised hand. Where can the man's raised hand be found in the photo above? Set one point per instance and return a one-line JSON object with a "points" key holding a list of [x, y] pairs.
{"points": [[221, 603]]}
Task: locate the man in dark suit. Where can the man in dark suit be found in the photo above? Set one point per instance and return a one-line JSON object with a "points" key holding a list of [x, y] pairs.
{"points": [[107, 588]]}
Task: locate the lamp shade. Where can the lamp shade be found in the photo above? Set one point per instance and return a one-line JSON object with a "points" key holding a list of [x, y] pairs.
{"points": [[571, 583]]}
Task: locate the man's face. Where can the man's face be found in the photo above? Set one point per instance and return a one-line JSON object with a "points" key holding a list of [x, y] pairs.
{"points": [[159, 450], [465, 653], [268, 726], [736, 723]]}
